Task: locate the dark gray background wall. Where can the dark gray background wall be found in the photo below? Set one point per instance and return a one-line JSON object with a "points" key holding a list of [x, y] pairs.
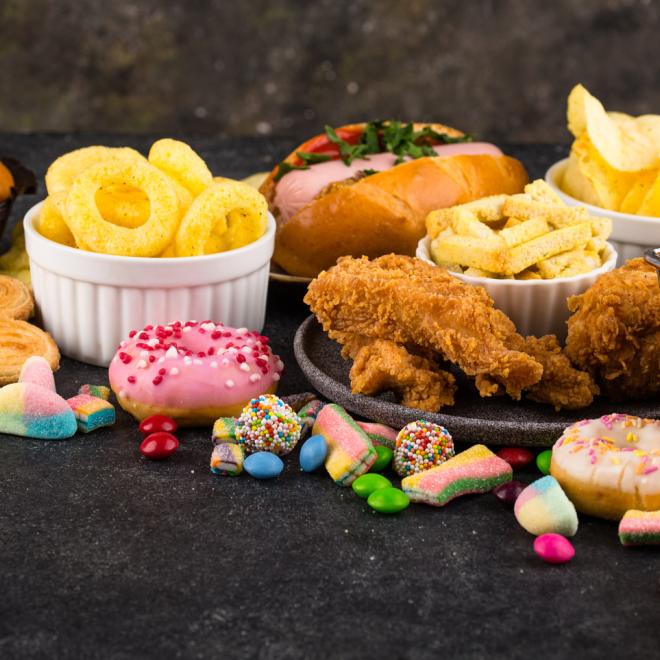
{"points": [[500, 69]]}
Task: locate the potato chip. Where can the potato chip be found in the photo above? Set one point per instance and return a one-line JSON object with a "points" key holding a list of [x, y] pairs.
{"points": [[635, 196], [651, 203], [180, 162], [65, 169], [233, 211], [627, 147], [88, 225]]}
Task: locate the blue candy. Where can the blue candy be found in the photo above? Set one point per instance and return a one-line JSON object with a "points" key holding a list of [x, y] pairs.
{"points": [[263, 465], [313, 453]]}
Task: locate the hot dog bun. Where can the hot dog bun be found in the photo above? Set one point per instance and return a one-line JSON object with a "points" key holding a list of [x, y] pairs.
{"points": [[385, 212]]}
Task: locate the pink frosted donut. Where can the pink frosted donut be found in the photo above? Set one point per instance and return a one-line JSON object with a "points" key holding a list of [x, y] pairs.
{"points": [[193, 372]]}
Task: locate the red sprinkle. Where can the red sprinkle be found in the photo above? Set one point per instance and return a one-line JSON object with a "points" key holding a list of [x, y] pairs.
{"points": [[152, 358], [132, 334], [131, 379], [157, 380], [162, 371], [240, 358]]}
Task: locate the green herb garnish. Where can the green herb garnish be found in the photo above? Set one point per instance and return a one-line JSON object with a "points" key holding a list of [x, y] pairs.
{"points": [[394, 137]]}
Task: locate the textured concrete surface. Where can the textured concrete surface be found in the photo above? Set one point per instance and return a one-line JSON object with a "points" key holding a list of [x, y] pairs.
{"points": [[104, 554], [500, 69]]}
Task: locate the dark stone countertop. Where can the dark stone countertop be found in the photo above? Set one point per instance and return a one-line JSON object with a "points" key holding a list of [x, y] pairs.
{"points": [[105, 554]]}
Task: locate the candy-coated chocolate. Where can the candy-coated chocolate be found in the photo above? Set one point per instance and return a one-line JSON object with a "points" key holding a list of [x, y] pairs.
{"points": [[385, 455], [263, 465], [508, 492], [159, 445], [388, 500], [157, 423], [369, 483], [554, 548], [543, 461], [313, 453], [516, 457]]}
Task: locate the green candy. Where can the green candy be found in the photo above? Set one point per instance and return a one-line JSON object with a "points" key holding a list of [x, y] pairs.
{"points": [[385, 455], [368, 483], [543, 461], [388, 500]]}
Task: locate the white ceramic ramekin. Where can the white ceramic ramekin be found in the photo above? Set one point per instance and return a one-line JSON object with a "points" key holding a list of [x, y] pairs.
{"points": [[89, 302], [631, 234], [537, 307]]}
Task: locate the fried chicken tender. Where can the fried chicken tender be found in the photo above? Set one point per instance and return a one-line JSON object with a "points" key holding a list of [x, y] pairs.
{"points": [[412, 303], [380, 365], [614, 332]]}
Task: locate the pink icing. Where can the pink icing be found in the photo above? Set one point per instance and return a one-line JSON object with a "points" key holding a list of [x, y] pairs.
{"points": [[340, 433], [194, 365], [433, 482], [299, 187]]}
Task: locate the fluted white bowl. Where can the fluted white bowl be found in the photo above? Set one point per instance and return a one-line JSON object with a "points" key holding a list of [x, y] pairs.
{"points": [[631, 234], [89, 302], [537, 307]]}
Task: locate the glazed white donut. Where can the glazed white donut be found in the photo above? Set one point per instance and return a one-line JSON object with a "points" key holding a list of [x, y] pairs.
{"points": [[609, 465]]}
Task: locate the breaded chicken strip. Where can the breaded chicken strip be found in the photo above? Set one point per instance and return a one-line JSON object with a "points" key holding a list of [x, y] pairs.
{"points": [[412, 303]]}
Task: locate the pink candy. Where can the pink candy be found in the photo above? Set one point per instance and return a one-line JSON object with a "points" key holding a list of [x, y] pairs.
{"points": [[554, 548]]}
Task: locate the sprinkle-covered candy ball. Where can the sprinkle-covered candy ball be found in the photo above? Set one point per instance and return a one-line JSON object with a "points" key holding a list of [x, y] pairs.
{"points": [[268, 424], [420, 446]]}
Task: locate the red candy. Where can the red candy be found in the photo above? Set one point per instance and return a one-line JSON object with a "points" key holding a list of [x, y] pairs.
{"points": [[516, 457], [159, 445], [157, 423], [508, 492], [554, 548]]}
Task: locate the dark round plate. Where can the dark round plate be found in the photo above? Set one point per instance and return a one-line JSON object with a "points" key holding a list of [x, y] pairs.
{"points": [[494, 421]]}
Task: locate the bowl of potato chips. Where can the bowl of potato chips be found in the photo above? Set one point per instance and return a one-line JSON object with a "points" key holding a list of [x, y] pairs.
{"points": [[123, 241], [530, 251], [613, 170]]}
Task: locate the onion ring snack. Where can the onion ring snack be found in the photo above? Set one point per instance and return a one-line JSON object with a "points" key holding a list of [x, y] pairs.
{"points": [[192, 372]]}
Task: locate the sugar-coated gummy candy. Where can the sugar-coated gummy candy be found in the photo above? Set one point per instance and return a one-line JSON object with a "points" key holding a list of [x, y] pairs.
{"points": [[101, 391], [367, 484], [91, 412], [388, 500], [313, 453], [543, 508], [33, 411], [543, 461], [508, 493], [554, 548], [227, 459], [159, 445], [224, 430], [263, 465], [155, 423], [516, 457], [385, 455], [640, 528]]}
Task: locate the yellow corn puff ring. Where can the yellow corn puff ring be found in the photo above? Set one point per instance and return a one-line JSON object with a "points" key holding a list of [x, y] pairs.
{"points": [[51, 224], [65, 169], [180, 162], [214, 212], [90, 228]]}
